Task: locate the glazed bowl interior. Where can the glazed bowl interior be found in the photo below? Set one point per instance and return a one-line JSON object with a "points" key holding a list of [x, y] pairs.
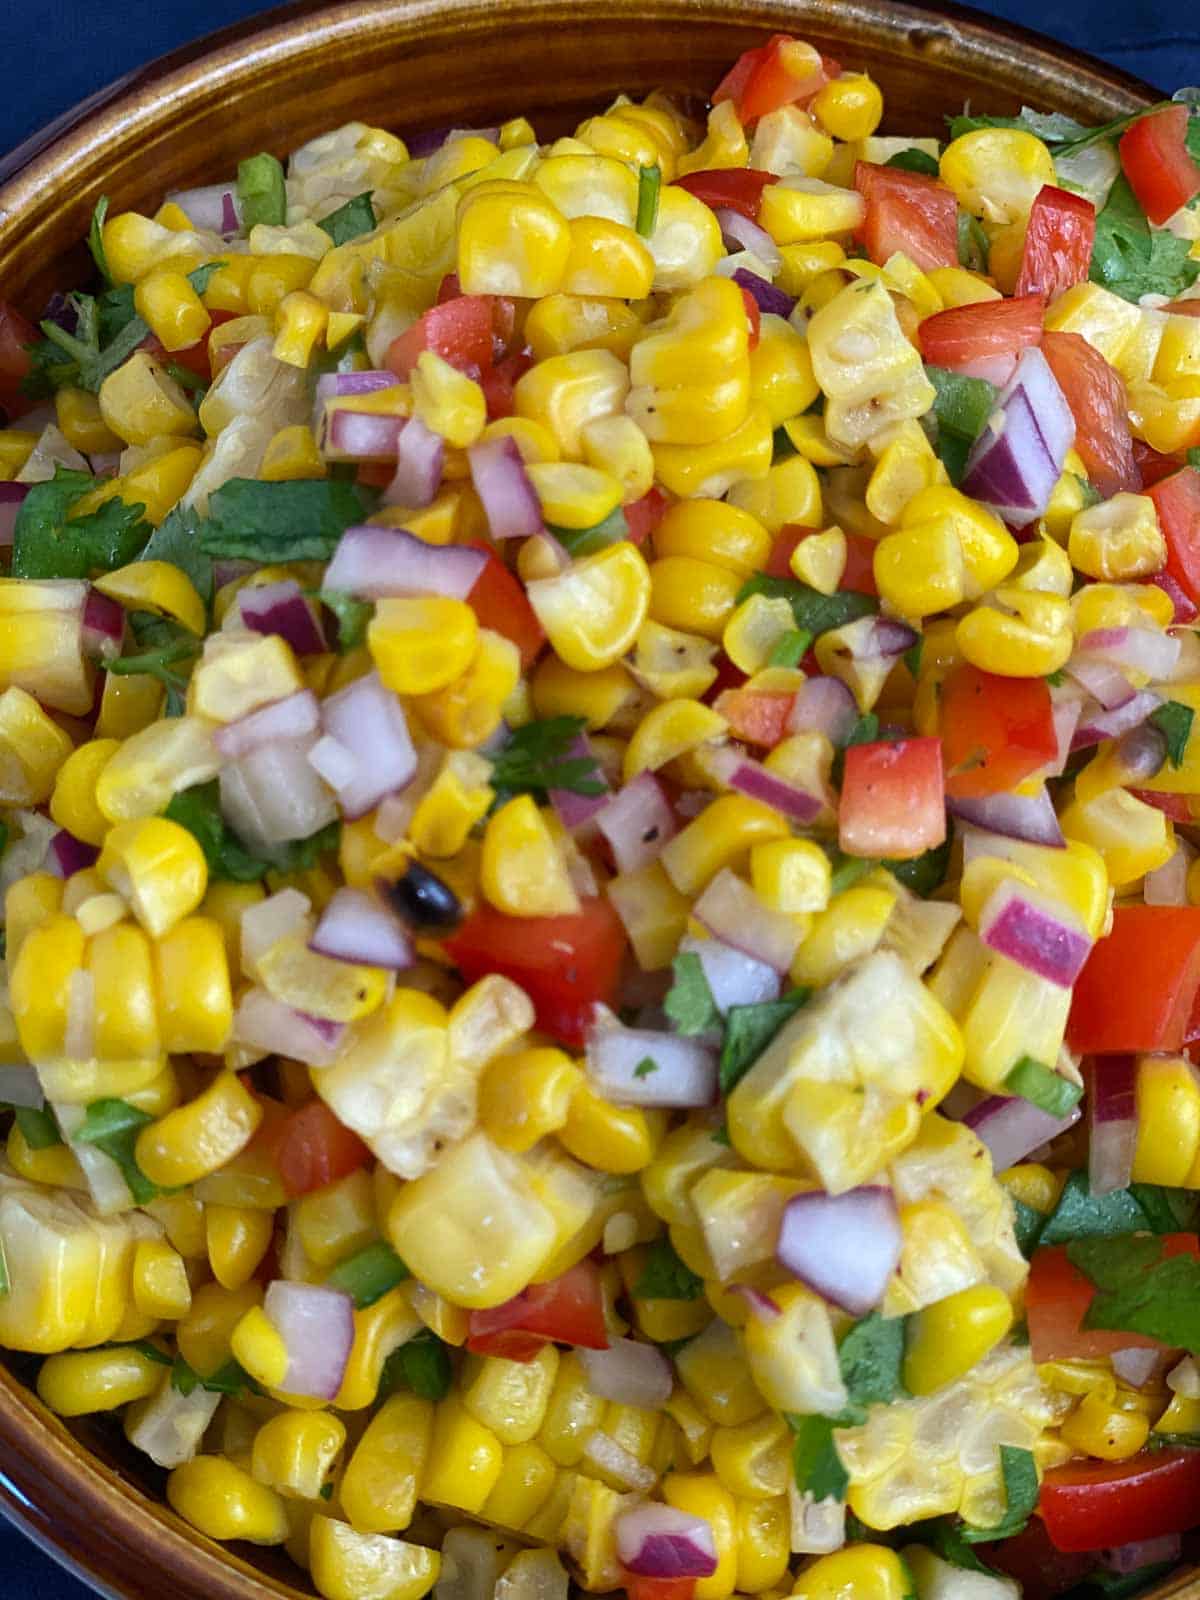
{"points": [[407, 65]]}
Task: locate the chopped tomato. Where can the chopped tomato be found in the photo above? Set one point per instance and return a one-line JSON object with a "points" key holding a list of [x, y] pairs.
{"points": [[779, 73], [728, 677], [564, 964], [1095, 1505], [1096, 395], [907, 211], [569, 1309], [983, 340], [460, 331], [449, 289], [995, 731], [499, 383], [859, 573], [314, 1149], [195, 356], [729, 188], [16, 332], [1138, 985], [1152, 464], [643, 516], [1183, 308], [1186, 609], [753, 315], [499, 602], [1058, 243], [639, 1587], [1057, 1298], [758, 716], [893, 800], [1157, 162], [1042, 1571], [1174, 806], [375, 474], [1177, 501]]}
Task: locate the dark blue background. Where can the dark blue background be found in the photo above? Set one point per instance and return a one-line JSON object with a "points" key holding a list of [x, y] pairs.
{"points": [[58, 55]]}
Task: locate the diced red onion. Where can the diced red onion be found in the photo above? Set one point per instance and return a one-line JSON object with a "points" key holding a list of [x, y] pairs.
{"points": [[362, 436], [768, 298], [761, 1304], [230, 570], [684, 1075], [1105, 683], [283, 609], [1132, 649], [271, 795], [420, 460], [19, 1086], [886, 637], [1095, 726], [373, 561], [317, 1325], [294, 717], [740, 233], [732, 912], [103, 626], [824, 705], [1011, 1127], [1066, 707], [1167, 885], [1017, 816], [1112, 1133], [1018, 457], [1129, 1558], [657, 1541], [509, 499], [68, 855], [369, 721], [576, 811], [753, 779], [735, 979], [214, 207], [637, 821], [276, 1029], [354, 927], [1135, 1366], [1185, 607], [628, 1372], [341, 385], [1020, 927], [843, 1246]]}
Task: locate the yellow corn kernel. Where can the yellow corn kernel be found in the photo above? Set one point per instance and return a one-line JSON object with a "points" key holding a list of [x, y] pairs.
{"points": [[384, 1477], [957, 287], [754, 631], [40, 985], [763, 1544], [946, 1339], [1133, 838], [300, 323], [159, 869], [781, 375], [702, 1495], [205, 1332], [468, 711], [798, 209], [29, 901], [669, 731], [741, 457], [272, 278], [153, 765], [201, 1136], [160, 1281], [423, 643], [617, 447], [1033, 1184], [654, 912], [174, 311], [525, 1096], [224, 1502], [692, 596], [714, 1371], [820, 560], [716, 533], [86, 1381], [447, 401], [523, 871], [1168, 1120], [850, 106], [791, 875], [850, 927], [259, 1346], [718, 838], [465, 1459], [295, 1452], [597, 697], [1022, 632], [574, 496], [73, 802], [1099, 1428], [192, 977], [1118, 539], [527, 1482], [79, 418], [291, 454], [607, 258], [16, 447], [560, 323], [593, 612], [573, 1412], [140, 402], [513, 243], [510, 1397], [378, 1330], [616, 1139], [753, 1461], [997, 173], [347, 1565], [859, 1569], [55, 1166], [32, 749], [238, 1239]]}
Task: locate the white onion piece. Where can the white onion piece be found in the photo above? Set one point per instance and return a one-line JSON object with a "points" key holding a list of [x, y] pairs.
{"points": [[1016, 816], [734, 978], [317, 1325], [1105, 682], [368, 720], [270, 795], [658, 1541], [1011, 1127], [630, 1373], [1135, 1366], [509, 499], [637, 821], [684, 1073], [1131, 649], [1095, 725], [824, 705], [294, 717], [844, 1246], [373, 561], [420, 460], [213, 208], [733, 913], [280, 916], [1167, 885], [268, 1025], [334, 763], [170, 1426], [1128, 1558], [283, 609], [354, 927], [740, 233], [19, 1086], [1112, 1131], [605, 1458], [1017, 924]]}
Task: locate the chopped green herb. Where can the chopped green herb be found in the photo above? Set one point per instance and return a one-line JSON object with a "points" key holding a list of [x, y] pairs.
{"points": [[912, 657], [536, 760], [944, 1536], [422, 1365], [645, 1067], [96, 238], [176, 539], [689, 1004], [578, 542], [1142, 1208], [352, 616], [914, 160], [350, 221], [46, 544], [141, 1347], [1141, 1290], [92, 363], [262, 191], [1063, 134], [815, 613], [790, 650], [748, 1032], [1043, 1087], [1091, 495], [782, 448], [369, 1275], [1020, 1493], [1193, 457], [1174, 722], [185, 377], [1027, 1225], [666, 1277], [203, 276], [300, 520], [870, 1357], [232, 1380], [974, 246], [39, 1129], [847, 870], [649, 184], [199, 811], [171, 645], [816, 1464], [925, 873], [113, 1126], [1131, 258]]}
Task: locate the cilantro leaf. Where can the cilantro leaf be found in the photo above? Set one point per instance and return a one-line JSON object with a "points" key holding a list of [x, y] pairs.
{"points": [[39, 1129], [748, 1032], [1131, 258], [689, 1004], [974, 246], [1143, 1207], [422, 1364], [666, 1277], [1020, 1493], [815, 613], [926, 872], [43, 512], [168, 645], [46, 544], [352, 616], [944, 1536], [870, 1357], [232, 1379], [1027, 1226], [177, 540], [578, 542], [350, 221], [645, 1067], [914, 160], [536, 759], [1141, 1290], [1174, 721], [262, 191], [96, 238], [1063, 134], [113, 1126], [199, 811], [298, 520], [816, 1464]]}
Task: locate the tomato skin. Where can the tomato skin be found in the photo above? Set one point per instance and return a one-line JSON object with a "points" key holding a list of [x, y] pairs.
{"points": [[995, 731], [637, 1587], [568, 1309], [753, 315], [984, 340], [754, 715], [893, 800], [1174, 806], [499, 602], [194, 357], [499, 384], [16, 363], [1094, 1505], [1042, 1571], [1177, 502], [1138, 985], [909, 212], [729, 188], [564, 964], [760, 80], [1099, 403], [460, 331], [643, 516], [1154, 155], [1058, 243], [1186, 609], [314, 1149]]}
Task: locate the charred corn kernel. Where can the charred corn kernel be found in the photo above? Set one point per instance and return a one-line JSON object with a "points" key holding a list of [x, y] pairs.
{"points": [[573, 495], [850, 106], [525, 1096], [78, 415], [73, 802], [515, 243], [174, 311], [1100, 1428], [713, 1370], [712, 531], [617, 447], [468, 711], [272, 278], [717, 838], [259, 1346], [447, 401], [238, 1239], [160, 1282], [753, 1461], [368, 1566], [201, 1136], [791, 875], [16, 447], [1118, 539], [1133, 838], [559, 323], [158, 867], [140, 402], [850, 926], [703, 1495], [607, 258], [55, 1166], [789, 493], [996, 173], [754, 630], [859, 1569], [798, 209], [465, 1459], [384, 1477], [523, 872], [32, 750], [423, 643], [154, 764], [300, 323], [224, 1502], [820, 560], [691, 373], [291, 454], [712, 469], [86, 1381], [593, 612], [692, 596], [946, 1339], [1033, 1184], [1021, 632], [1168, 1126], [610, 1138], [510, 1397], [295, 1452]]}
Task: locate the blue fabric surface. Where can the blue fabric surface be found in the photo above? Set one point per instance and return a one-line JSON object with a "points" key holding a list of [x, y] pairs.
{"points": [[72, 49]]}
